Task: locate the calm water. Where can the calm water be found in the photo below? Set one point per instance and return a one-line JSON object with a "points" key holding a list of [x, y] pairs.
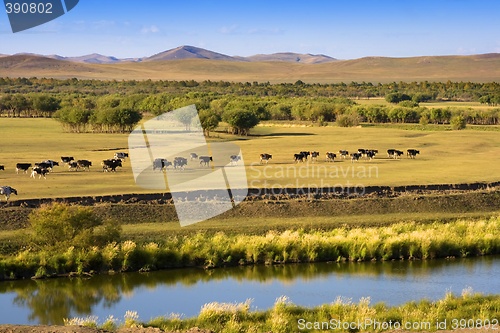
{"points": [[186, 290]]}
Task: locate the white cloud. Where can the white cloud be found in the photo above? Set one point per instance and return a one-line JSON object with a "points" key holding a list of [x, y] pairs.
{"points": [[260, 31], [229, 30], [153, 29]]}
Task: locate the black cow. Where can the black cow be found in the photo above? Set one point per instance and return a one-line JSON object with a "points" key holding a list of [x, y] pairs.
{"points": [[67, 159], [362, 151], [111, 165], [84, 164], [412, 153], [40, 172], [299, 157], [397, 154], [47, 164], [180, 162], [390, 153], [305, 153], [23, 167], [355, 157], [161, 163], [193, 156], [205, 160], [2, 167], [7, 191], [73, 166], [343, 153], [265, 158], [120, 156], [370, 154], [330, 157], [314, 155], [233, 159]]}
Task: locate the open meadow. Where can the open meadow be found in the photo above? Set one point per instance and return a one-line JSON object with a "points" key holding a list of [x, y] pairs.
{"points": [[445, 157]]}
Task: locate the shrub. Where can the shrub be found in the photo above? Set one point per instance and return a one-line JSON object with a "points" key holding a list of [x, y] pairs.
{"points": [[59, 225], [348, 120], [458, 122]]}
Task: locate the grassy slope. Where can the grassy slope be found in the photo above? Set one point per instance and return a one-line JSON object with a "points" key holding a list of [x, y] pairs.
{"points": [[446, 157], [372, 69]]}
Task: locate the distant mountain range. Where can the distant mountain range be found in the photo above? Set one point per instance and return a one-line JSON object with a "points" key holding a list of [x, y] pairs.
{"points": [[190, 63], [191, 52]]}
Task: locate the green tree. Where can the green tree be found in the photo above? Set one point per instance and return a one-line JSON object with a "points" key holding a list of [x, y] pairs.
{"points": [[185, 116], [46, 104], [397, 97], [209, 120], [241, 121]]}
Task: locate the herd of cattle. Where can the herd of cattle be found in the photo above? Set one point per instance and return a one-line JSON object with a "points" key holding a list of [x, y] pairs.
{"points": [[43, 168], [330, 156]]}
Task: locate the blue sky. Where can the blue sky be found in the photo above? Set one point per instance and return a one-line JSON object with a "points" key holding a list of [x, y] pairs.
{"points": [[341, 29]]}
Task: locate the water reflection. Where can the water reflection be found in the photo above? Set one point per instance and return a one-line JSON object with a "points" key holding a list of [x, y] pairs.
{"points": [[49, 301]]}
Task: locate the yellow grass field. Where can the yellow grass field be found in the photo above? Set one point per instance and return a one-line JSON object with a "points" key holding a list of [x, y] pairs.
{"points": [[446, 157]]}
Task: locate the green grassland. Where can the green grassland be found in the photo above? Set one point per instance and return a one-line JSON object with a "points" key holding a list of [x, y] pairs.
{"points": [[446, 157]]}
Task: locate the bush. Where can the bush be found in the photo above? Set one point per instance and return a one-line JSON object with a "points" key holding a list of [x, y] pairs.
{"points": [[458, 122], [348, 120], [59, 225]]}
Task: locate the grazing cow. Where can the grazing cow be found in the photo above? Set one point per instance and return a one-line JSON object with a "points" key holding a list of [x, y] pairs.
{"points": [[47, 164], [305, 153], [193, 156], [111, 164], [330, 157], [2, 167], [120, 156], [370, 154], [40, 172], [398, 154], [7, 191], [265, 158], [314, 155], [299, 157], [205, 160], [343, 153], [355, 157], [161, 163], [233, 159], [24, 167], [84, 164], [73, 166], [412, 153], [67, 159], [180, 162]]}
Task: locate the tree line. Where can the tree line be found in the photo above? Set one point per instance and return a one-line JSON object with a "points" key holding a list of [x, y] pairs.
{"points": [[457, 91], [120, 112]]}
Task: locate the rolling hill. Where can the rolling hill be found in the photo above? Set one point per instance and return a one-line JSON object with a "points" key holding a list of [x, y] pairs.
{"points": [[476, 68], [189, 52]]}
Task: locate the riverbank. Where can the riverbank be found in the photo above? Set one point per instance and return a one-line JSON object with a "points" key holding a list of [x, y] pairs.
{"points": [[399, 241], [468, 312]]}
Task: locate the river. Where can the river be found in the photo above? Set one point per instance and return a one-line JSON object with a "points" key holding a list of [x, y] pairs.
{"points": [[184, 291]]}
